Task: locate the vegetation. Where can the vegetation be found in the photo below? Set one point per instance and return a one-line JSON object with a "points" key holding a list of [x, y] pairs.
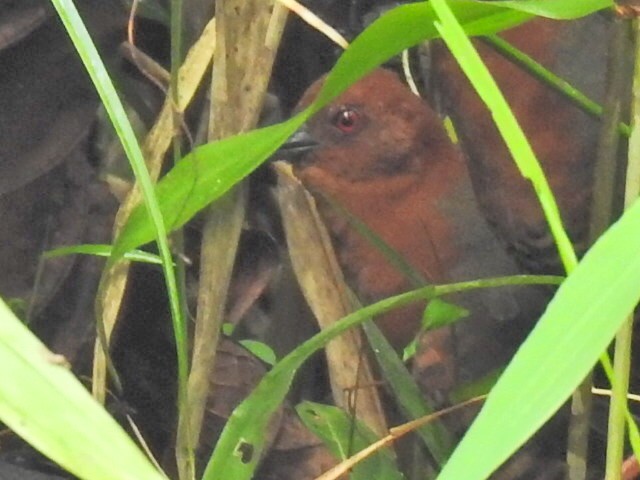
{"points": [[590, 307]]}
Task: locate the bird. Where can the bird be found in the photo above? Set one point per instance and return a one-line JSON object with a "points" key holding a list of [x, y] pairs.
{"points": [[383, 155], [563, 137]]}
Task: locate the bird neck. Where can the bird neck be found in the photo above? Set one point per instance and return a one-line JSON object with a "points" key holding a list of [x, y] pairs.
{"points": [[408, 213]]}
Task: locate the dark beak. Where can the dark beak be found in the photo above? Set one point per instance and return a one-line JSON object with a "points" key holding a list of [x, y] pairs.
{"points": [[296, 145]]}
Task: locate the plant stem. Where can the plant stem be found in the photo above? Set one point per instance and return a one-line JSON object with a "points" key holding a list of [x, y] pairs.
{"points": [[602, 215], [618, 406], [523, 60], [187, 452], [622, 362], [243, 56]]}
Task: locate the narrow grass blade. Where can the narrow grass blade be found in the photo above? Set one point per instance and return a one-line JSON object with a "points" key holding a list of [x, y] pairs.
{"points": [[157, 231], [102, 251]]}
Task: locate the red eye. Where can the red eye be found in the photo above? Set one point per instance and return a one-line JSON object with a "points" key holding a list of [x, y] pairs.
{"points": [[346, 120]]}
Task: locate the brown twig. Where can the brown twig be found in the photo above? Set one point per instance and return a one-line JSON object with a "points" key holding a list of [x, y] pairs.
{"points": [[394, 434]]}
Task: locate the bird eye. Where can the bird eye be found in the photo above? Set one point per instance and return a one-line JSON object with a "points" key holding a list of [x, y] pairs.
{"points": [[346, 120]]}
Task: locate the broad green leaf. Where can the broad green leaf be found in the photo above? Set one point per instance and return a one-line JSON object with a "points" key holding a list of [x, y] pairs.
{"points": [[560, 10], [43, 402], [200, 177], [211, 170], [344, 438], [579, 323], [524, 415]]}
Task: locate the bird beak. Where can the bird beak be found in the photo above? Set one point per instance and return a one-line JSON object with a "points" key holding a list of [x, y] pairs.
{"points": [[296, 145]]}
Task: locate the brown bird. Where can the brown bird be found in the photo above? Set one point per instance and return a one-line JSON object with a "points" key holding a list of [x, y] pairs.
{"points": [[563, 137], [382, 153]]}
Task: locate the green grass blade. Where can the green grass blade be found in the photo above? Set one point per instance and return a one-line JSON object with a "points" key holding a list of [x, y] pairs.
{"points": [[98, 73], [156, 226], [514, 137], [560, 10], [438, 440], [100, 250], [518, 57], [43, 402]]}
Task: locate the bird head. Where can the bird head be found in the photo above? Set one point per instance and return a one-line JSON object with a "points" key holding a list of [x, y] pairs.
{"points": [[377, 130]]}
